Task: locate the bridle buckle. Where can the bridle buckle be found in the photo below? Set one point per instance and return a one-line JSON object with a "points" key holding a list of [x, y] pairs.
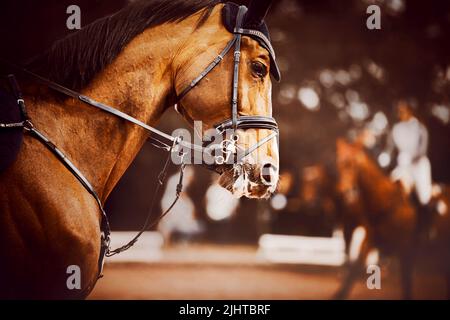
{"points": [[28, 125]]}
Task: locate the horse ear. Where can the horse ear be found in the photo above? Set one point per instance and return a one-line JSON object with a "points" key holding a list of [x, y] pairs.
{"points": [[256, 13]]}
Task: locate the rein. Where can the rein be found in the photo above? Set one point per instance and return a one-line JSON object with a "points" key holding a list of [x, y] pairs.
{"points": [[158, 138], [105, 249]]}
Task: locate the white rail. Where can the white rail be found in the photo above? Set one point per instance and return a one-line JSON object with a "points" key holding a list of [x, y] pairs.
{"points": [[302, 250]]}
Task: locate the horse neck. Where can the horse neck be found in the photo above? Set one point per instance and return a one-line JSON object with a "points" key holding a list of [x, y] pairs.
{"points": [[138, 82], [377, 188]]}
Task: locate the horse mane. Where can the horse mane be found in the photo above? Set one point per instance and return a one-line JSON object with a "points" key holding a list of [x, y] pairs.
{"points": [[74, 60]]}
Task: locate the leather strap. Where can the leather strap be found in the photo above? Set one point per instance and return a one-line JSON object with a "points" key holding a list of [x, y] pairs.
{"points": [[249, 122], [105, 250], [237, 59], [104, 224], [105, 229], [16, 90], [236, 121], [258, 34], [159, 139], [207, 70]]}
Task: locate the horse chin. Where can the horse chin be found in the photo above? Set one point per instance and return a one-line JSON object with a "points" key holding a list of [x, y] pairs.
{"points": [[237, 180]]}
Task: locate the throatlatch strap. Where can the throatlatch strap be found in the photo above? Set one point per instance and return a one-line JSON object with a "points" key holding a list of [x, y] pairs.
{"points": [[207, 70]]}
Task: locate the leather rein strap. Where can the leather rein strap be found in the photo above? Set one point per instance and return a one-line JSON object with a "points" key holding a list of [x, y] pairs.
{"points": [[158, 138], [105, 250], [161, 141]]}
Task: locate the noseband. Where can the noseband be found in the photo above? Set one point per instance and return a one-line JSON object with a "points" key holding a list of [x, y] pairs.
{"points": [[236, 122], [157, 138]]}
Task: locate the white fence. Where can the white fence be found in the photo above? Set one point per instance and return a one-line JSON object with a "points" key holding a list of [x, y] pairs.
{"points": [[302, 250], [146, 249]]}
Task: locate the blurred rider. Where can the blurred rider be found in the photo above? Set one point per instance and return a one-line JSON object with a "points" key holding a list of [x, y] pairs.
{"points": [[410, 137]]}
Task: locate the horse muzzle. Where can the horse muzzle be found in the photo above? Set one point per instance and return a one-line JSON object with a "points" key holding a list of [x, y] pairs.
{"points": [[250, 180]]}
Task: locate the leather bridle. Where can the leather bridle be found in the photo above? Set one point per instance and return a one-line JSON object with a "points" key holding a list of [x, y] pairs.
{"points": [[236, 122], [157, 138]]}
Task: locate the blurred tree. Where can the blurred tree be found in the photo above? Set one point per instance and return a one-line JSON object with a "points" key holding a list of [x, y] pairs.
{"points": [[356, 72]]}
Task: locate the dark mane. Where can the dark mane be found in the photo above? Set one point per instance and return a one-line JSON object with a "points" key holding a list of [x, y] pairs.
{"points": [[74, 60]]}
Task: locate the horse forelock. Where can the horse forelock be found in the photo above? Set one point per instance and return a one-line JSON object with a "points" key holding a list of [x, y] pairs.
{"points": [[74, 60]]}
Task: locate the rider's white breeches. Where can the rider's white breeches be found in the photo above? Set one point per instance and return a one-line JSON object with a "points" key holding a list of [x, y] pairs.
{"points": [[416, 175]]}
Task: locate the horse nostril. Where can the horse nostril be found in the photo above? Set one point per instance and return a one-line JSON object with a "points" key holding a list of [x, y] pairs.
{"points": [[268, 171]]}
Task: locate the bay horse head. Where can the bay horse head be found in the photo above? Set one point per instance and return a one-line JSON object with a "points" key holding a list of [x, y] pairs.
{"points": [[236, 95], [347, 157]]}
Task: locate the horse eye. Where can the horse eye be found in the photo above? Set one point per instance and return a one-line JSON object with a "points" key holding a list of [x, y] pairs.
{"points": [[259, 69]]}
